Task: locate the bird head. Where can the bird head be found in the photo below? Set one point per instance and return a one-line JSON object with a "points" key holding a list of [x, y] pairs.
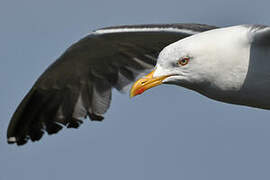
{"points": [[177, 64], [213, 59]]}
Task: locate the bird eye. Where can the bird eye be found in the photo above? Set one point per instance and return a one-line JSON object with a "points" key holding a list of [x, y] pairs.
{"points": [[183, 61]]}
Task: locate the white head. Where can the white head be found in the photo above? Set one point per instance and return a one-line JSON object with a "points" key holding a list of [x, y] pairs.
{"points": [[205, 60]]}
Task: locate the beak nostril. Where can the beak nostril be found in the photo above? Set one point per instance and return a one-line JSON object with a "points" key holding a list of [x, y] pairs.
{"points": [[143, 82]]}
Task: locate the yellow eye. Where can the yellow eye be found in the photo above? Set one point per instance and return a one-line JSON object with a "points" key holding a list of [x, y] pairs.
{"points": [[183, 61]]}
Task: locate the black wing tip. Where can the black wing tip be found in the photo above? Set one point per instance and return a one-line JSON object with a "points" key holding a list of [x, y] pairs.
{"points": [[11, 140], [95, 117], [74, 123], [14, 140], [52, 129]]}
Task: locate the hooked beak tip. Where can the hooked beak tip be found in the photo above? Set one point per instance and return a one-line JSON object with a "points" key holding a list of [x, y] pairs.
{"points": [[146, 83]]}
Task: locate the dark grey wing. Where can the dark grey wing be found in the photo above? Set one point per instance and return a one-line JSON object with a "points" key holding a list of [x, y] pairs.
{"points": [[259, 35], [79, 83]]}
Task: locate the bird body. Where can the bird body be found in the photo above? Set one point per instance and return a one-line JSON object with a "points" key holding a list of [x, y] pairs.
{"points": [[229, 64]]}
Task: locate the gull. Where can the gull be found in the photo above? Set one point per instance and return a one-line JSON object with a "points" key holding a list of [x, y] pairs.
{"points": [[230, 64]]}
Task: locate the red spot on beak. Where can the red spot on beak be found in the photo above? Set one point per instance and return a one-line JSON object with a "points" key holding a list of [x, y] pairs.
{"points": [[140, 91]]}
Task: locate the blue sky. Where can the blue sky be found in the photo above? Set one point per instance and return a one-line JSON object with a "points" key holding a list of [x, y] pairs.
{"points": [[167, 133]]}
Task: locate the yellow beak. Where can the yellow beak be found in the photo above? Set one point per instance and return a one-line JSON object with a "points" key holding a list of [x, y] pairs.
{"points": [[145, 83]]}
